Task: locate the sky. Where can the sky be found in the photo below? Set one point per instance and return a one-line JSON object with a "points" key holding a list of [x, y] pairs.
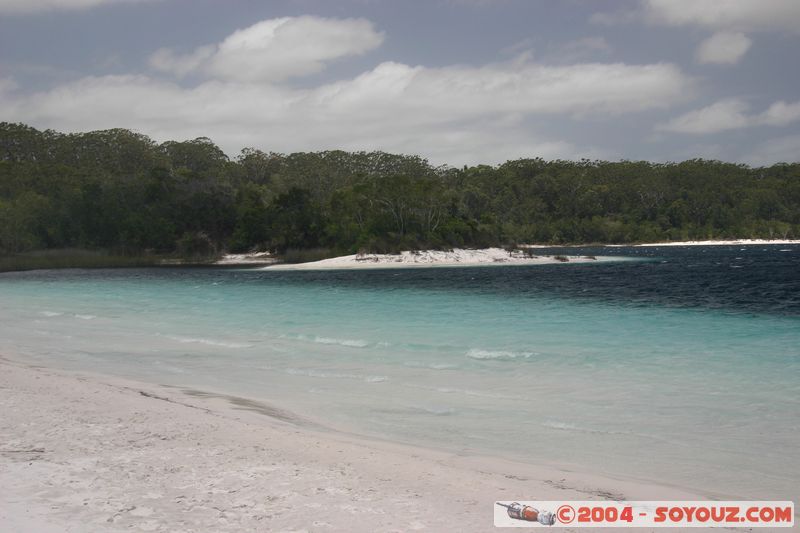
{"points": [[460, 82]]}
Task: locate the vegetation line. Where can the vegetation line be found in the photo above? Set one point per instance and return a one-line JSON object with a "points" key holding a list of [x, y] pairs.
{"points": [[134, 201]]}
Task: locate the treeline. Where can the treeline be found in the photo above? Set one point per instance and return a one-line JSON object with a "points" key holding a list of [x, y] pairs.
{"points": [[121, 191]]}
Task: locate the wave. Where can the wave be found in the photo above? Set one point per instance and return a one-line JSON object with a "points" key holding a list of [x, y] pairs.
{"points": [[432, 366], [566, 426], [439, 411], [350, 343], [208, 342], [560, 425], [480, 394], [468, 392], [498, 354], [422, 347], [51, 314], [417, 410], [335, 375]]}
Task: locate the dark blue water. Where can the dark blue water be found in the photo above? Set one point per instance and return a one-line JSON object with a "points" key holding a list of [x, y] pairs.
{"points": [[739, 279]]}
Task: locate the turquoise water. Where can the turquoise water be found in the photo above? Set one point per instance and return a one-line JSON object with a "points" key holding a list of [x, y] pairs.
{"points": [[682, 367]]}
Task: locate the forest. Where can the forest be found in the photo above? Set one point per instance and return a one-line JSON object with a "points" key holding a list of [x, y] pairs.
{"points": [[121, 192]]}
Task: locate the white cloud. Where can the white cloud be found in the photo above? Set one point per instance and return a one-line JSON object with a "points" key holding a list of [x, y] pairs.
{"points": [[37, 6], [166, 60], [509, 88], [731, 114], [780, 114], [731, 19], [723, 48], [458, 114], [780, 149], [719, 116], [734, 15], [275, 49]]}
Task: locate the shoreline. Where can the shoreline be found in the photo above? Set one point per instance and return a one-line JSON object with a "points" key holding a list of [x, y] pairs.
{"points": [[434, 258], [458, 257], [109, 453], [731, 242], [468, 257]]}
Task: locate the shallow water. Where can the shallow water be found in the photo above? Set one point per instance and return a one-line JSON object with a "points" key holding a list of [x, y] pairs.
{"points": [[682, 366]]}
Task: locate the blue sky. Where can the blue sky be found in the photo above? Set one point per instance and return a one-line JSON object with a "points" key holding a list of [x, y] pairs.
{"points": [[457, 81]]}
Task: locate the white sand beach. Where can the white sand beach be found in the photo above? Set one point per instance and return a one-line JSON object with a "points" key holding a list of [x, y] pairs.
{"points": [[83, 452], [257, 258], [461, 257], [434, 258]]}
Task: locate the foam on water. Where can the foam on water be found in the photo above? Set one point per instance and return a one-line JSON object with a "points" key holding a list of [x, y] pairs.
{"points": [[208, 342], [350, 343], [476, 393], [335, 375], [498, 354], [432, 366]]}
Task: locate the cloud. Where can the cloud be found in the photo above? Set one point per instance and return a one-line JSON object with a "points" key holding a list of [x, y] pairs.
{"points": [[723, 48], [730, 15], [782, 149], [780, 114], [462, 114], [38, 6], [733, 15], [591, 88], [720, 116], [166, 60], [730, 19], [275, 49], [731, 114]]}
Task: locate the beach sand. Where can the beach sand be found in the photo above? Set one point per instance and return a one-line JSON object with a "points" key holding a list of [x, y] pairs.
{"points": [[83, 452], [460, 257], [437, 258], [258, 258]]}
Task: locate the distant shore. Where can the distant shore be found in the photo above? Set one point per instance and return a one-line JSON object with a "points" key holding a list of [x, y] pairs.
{"points": [[744, 242], [467, 257], [61, 259], [88, 452], [437, 258]]}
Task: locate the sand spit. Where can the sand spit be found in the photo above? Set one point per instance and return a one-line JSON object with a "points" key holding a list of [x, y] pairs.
{"points": [[437, 258]]}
